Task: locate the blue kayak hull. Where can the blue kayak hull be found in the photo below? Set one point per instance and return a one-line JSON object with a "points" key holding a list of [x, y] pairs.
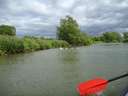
{"points": [[125, 92]]}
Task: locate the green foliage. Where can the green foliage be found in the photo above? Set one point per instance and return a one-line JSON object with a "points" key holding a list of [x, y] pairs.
{"points": [[7, 30], [125, 35], [12, 45], [39, 44], [97, 38], [30, 37], [60, 43], [82, 39], [111, 37], [30, 44], [42, 37], [2, 52], [69, 31]]}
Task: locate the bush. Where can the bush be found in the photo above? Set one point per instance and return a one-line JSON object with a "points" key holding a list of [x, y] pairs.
{"points": [[125, 35], [2, 52], [44, 44], [111, 37], [60, 43], [7, 30], [32, 44], [9, 44], [125, 40]]}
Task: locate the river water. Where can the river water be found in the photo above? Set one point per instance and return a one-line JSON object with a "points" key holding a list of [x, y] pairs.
{"points": [[57, 72]]}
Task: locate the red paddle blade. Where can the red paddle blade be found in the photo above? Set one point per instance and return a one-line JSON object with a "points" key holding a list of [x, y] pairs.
{"points": [[92, 86]]}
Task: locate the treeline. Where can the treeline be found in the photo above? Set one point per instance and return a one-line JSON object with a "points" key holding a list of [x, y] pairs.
{"points": [[11, 44], [69, 31], [113, 37], [68, 35]]}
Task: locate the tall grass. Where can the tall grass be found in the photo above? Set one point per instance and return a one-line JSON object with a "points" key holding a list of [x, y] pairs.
{"points": [[12, 45]]}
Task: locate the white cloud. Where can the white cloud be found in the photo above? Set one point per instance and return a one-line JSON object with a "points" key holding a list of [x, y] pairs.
{"points": [[92, 15], [38, 7], [65, 3]]}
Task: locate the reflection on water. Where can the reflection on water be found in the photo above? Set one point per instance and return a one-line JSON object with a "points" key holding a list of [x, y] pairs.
{"points": [[69, 56], [57, 72]]}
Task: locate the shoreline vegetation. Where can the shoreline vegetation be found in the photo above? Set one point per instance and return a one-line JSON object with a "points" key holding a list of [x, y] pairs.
{"points": [[68, 35], [13, 44]]}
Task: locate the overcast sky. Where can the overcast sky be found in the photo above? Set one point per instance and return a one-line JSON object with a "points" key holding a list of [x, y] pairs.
{"points": [[42, 16]]}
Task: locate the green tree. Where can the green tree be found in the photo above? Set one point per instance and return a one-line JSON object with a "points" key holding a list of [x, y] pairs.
{"points": [[7, 30], [69, 31], [111, 37], [125, 37], [97, 38]]}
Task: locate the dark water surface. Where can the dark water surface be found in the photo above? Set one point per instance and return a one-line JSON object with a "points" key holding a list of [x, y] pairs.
{"points": [[56, 72]]}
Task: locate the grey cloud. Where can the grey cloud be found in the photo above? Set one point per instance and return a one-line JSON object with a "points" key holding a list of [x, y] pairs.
{"points": [[42, 16], [3, 3]]}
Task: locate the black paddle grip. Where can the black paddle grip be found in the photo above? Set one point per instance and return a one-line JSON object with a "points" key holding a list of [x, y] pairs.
{"points": [[119, 77]]}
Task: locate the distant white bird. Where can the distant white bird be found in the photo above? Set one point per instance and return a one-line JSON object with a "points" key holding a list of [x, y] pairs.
{"points": [[61, 48]]}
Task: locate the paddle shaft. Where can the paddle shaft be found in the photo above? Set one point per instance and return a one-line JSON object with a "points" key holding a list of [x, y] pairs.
{"points": [[110, 80], [119, 77]]}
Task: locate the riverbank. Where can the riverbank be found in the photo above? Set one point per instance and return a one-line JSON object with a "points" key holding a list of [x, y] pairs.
{"points": [[14, 45]]}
